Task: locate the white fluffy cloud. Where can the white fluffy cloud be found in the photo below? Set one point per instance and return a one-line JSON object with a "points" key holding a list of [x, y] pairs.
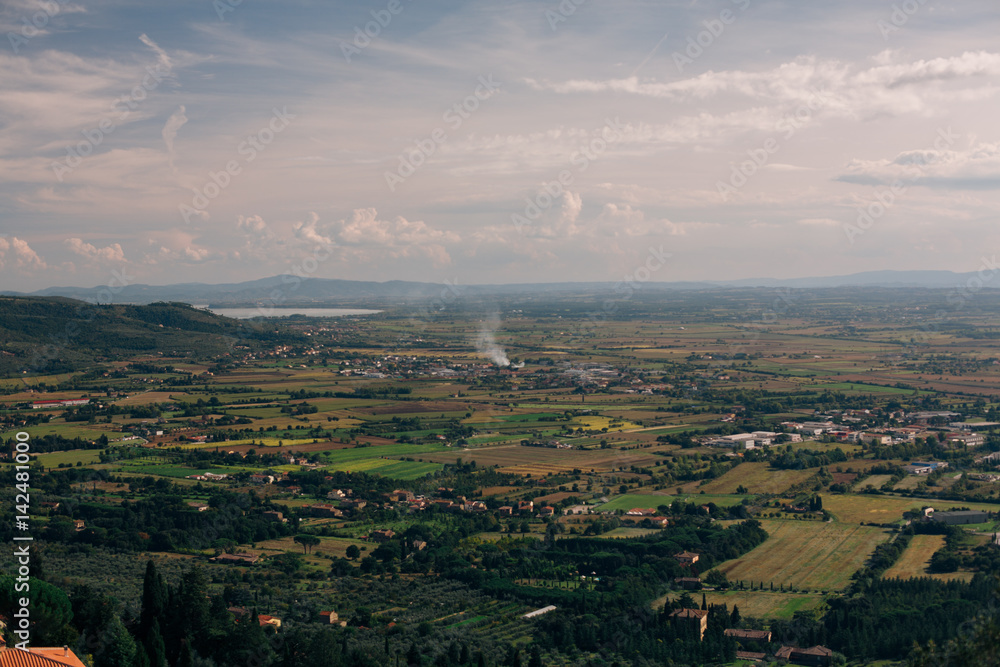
{"points": [[107, 254], [16, 253]]}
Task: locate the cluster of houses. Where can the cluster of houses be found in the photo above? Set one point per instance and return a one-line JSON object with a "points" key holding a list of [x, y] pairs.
{"points": [[696, 620], [962, 433]]}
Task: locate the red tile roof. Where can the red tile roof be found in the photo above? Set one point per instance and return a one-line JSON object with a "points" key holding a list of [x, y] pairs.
{"points": [[38, 657]]}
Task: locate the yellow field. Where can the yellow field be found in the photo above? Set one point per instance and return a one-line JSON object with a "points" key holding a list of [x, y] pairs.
{"points": [[332, 546], [883, 509], [806, 554], [757, 478], [916, 559]]}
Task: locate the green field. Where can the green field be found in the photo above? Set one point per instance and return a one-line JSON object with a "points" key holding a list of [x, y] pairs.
{"points": [[404, 470], [806, 555], [633, 500], [53, 459], [759, 604]]}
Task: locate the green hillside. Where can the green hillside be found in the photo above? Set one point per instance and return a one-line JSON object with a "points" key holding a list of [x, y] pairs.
{"points": [[56, 334]]}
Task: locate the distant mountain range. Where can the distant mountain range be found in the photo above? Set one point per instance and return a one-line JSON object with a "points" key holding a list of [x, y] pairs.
{"points": [[287, 290]]}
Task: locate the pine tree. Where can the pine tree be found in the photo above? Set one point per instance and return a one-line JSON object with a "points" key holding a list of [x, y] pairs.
{"points": [[704, 602], [119, 650], [734, 619], [155, 647], [536, 657]]}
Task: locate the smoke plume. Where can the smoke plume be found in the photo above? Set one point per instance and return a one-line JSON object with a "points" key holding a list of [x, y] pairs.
{"points": [[486, 342]]}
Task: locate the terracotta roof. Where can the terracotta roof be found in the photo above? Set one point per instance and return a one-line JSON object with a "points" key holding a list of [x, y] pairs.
{"points": [[792, 651], [690, 613], [38, 657]]}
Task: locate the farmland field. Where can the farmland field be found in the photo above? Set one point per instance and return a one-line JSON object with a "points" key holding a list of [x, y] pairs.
{"points": [[916, 559], [405, 470], [806, 554], [634, 500], [757, 478], [850, 508]]}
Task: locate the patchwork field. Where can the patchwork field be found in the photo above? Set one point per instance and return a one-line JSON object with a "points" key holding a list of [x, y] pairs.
{"points": [[806, 554]]}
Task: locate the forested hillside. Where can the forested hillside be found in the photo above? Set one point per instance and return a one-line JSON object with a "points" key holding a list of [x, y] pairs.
{"points": [[55, 334]]}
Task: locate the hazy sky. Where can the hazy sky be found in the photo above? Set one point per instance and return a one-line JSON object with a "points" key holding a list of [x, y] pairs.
{"points": [[190, 141]]}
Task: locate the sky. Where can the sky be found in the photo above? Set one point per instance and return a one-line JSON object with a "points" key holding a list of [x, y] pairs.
{"points": [[494, 141]]}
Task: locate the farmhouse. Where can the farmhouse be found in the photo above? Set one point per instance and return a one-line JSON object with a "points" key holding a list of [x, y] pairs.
{"points": [[382, 536], [331, 618], [265, 620], [696, 619], [687, 558], [688, 583]]}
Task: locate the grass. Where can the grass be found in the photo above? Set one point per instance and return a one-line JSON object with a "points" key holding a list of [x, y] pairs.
{"points": [[917, 558], [806, 555], [850, 508], [757, 478], [72, 456], [403, 470], [634, 500], [759, 604]]}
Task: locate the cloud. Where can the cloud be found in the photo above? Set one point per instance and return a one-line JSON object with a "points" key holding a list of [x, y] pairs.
{"points": [[161, 56], [111, 253], [18, 253], [842, 89], [975, 168]]}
